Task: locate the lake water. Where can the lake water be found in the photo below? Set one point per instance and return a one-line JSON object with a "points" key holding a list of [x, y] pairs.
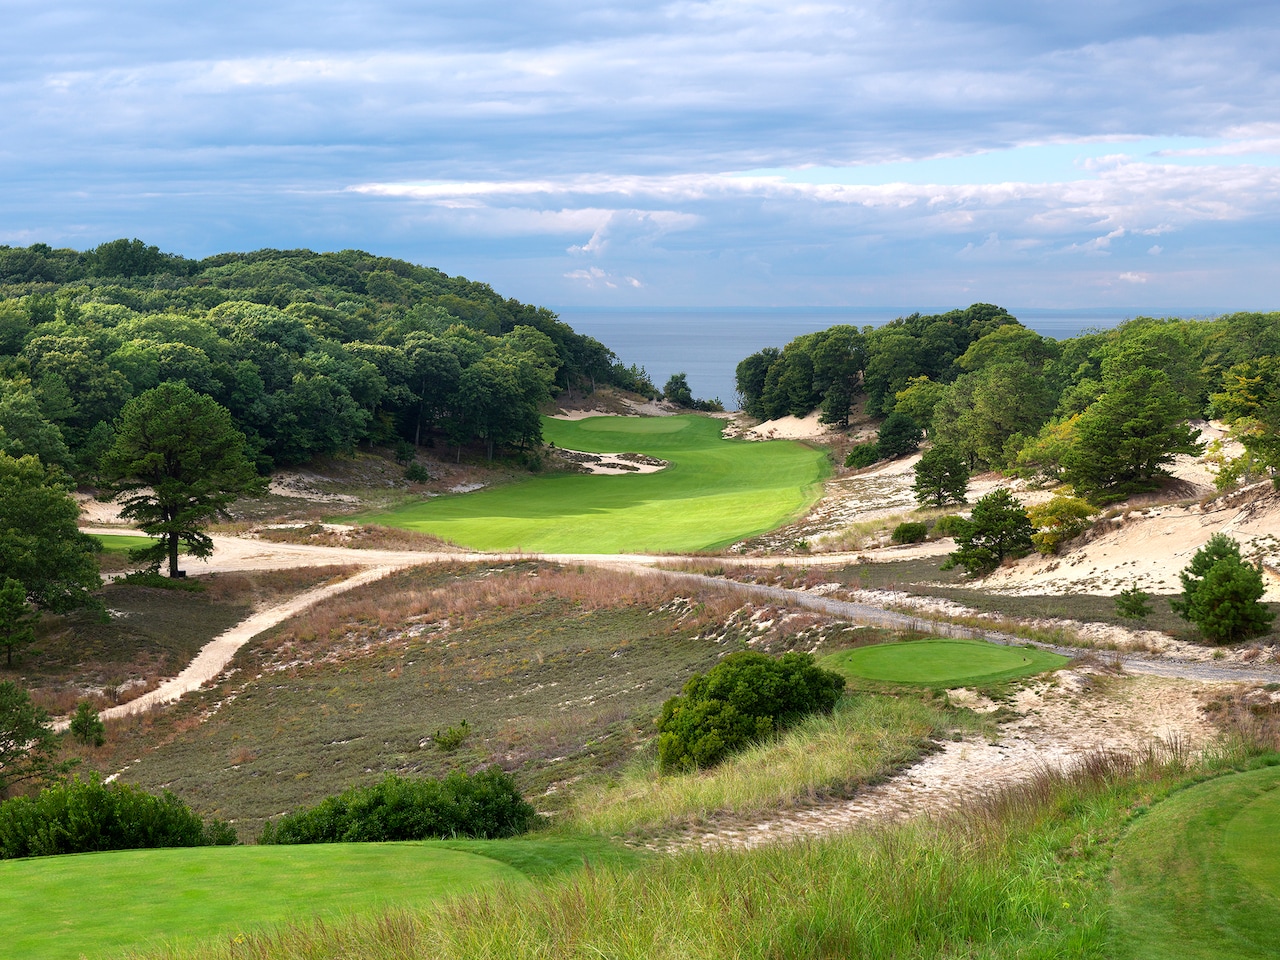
{"points": [[707, 344]]}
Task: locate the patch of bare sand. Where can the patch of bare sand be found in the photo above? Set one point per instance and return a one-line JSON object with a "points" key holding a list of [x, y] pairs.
{"points": [[612, 464], [789, 428], [1150, 546], [1060, 722]]}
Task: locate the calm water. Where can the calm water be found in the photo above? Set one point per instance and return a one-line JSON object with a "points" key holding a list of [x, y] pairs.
{"points": [[707, 344]]}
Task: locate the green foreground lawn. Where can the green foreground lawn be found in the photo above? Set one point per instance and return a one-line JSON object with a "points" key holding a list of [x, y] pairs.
{"points": [[102, 904], [1199, 877], [715, 492], [942, 663]]}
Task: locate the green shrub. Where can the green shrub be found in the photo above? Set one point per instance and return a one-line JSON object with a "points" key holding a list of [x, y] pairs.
{"points": [[1060, 520], [87, 727], [1221, 593], [745, 698], [450, 738], [80, 816], [863, 455], [1132, 603], [910, 532], [416, 473], [949, 525], [485, 805]]}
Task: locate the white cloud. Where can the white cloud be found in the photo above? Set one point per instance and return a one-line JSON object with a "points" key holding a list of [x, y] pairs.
{"points": [[1131, 277]]}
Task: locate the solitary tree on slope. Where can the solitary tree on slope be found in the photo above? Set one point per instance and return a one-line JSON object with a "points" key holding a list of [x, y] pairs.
{"points": [[179, 461]]}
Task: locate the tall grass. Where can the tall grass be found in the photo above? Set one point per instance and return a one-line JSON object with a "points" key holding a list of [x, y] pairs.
{"points": [[1023, 875], [865, 738]]}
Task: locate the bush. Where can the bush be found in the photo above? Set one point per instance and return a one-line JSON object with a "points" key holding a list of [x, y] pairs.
{"points": [[1220, 593], [863, 455], [1060, 520], [910, 532], [81, 816], [745, 698], [87, 727], [949, 525], [486, 805], [416, 473]]}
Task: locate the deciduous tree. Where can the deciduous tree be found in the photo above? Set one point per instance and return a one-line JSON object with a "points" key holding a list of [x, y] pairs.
{"points": [[178, 462]]}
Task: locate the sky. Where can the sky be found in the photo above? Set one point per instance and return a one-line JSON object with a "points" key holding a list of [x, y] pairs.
{"points": [[917, 154]]}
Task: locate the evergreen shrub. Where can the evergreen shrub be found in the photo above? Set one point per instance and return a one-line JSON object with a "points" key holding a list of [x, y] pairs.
{"points": [[485, 805], [910, 532], [745, 698], [82, 816]]}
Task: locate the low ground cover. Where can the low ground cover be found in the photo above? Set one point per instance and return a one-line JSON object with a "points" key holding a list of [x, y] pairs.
{"points": [[149, 634], [143, 898], [714, 492], [942, 663], [557, 672]]}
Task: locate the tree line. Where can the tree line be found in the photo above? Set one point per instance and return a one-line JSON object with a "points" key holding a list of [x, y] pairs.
{"points": [[1105, 411], [311, 353]]}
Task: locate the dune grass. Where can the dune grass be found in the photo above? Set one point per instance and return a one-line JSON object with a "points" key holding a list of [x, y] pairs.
{"points": [[942, 663], [1199, 876], [99, 905], [714, 492], [865, 738]]}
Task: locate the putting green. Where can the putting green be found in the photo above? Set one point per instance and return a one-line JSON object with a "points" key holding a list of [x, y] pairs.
{"points": [[101, 904], [122, 542], [942, 663], [714, 492], [1198, 878]]}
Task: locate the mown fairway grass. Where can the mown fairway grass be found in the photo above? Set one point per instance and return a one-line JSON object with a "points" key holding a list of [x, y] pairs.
{"points": [[122, 542], [1199, 877], [98, 905], [715, 492], [942, 663]]}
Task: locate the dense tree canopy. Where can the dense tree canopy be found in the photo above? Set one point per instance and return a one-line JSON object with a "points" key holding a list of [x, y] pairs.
{"points": [[311, 353], [41, 546]]}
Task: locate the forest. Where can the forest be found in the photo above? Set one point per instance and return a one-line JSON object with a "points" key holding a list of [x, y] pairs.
{"points": [[1105, 410], [312, 353]]}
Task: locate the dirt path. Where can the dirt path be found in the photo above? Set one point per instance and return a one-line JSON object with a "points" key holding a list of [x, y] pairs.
{"points": [[214, 656]]}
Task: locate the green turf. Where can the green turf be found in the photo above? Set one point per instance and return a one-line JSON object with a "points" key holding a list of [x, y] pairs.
{"points": [[102, 904], [714, 492], [122, 542], [1198, 877], [942, 663]]}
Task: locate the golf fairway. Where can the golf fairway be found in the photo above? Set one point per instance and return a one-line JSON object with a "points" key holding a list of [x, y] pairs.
{"points": [[714, 492]]}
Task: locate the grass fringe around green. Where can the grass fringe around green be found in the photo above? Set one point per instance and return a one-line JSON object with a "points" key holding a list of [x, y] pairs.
{"points": [[863, 740]]}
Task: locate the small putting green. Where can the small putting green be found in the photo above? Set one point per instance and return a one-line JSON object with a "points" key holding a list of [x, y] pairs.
{"points": [[941, 663], [1198, 878], [122, 542], [715, 492], [100, 904]]}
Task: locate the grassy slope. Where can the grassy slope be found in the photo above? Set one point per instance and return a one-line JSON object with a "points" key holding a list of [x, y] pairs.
{"points": [[716, 491], [942, 663], [1196, 877], [56, 908]]}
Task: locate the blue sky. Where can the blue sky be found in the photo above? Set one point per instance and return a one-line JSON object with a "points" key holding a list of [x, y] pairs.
{"points": [[907, 154]]}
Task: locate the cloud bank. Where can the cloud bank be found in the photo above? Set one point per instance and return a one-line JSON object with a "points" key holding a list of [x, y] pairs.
{"points": [[672, 153]]}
